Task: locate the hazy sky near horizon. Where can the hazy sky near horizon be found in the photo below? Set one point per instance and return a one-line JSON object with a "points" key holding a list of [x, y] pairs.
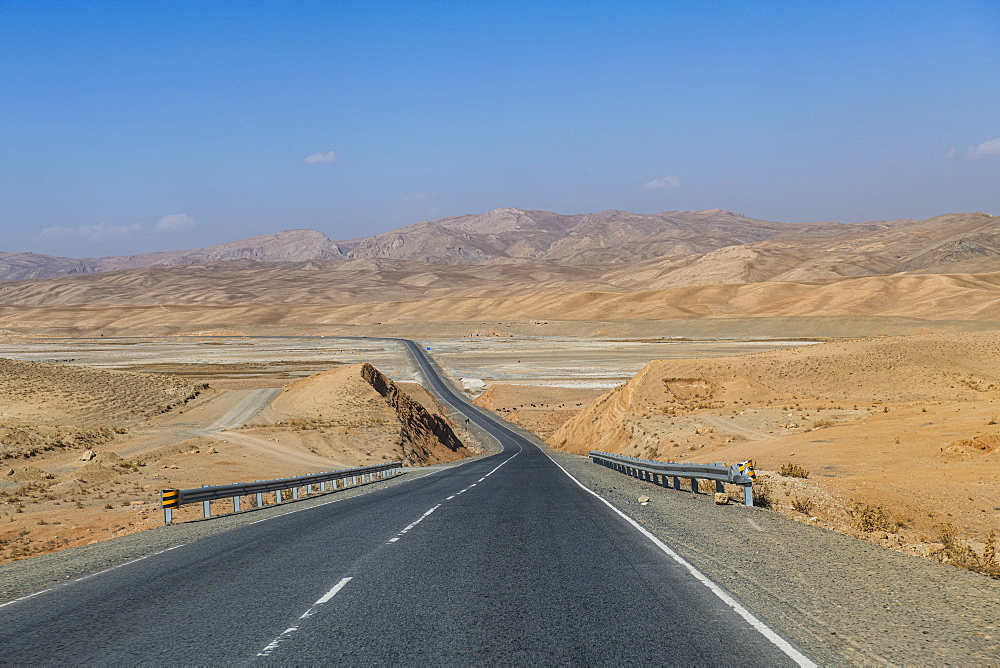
{"points": [[136, 126]]}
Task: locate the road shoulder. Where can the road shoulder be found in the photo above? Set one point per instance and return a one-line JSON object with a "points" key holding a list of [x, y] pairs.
{"points": [[839, 599]]}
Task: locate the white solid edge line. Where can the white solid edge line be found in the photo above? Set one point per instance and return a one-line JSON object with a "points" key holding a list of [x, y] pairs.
{"points": [[90, 575], [762, 628]]}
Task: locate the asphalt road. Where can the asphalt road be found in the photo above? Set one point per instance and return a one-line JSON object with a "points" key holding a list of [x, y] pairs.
{"points": [[503, 560]]}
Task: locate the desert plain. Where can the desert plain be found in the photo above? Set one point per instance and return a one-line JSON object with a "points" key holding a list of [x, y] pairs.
{"points": [[857, 366]]}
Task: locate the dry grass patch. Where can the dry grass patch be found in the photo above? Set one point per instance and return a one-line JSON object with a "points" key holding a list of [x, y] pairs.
{"points": [[790, 470]]}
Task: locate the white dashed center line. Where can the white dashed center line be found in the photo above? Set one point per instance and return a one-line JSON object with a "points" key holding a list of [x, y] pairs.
{"points": [[418, 521], [271, 646]]}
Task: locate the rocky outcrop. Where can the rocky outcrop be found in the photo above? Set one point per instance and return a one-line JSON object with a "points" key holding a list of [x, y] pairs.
{"points": [[355, 414], [423, 435]]}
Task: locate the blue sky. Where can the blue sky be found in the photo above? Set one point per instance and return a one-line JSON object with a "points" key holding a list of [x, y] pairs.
{"points": [[134, 126]]}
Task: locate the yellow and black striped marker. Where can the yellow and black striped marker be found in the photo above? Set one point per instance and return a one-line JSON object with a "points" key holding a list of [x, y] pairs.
{"points": [[171, 498], [746, 468]]}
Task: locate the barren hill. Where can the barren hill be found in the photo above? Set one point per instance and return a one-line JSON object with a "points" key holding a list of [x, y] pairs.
{"points": [[37, 393], [604, 237], [926, 367], [287, 246], [358, 409], [953, 243], [185, 299]]}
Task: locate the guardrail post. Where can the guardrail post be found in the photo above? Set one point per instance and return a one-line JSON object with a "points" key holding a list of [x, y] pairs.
{"points": [[720, 487], [277, 496], [260, 499], [354, 480], [295, 493], [169, 499], [236, 504], [694, 485], [677, 483], [748, 495], [309, 489], [322, 486], [206, 508]]}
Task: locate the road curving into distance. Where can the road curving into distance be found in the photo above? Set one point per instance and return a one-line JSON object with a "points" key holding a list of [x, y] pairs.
{"points": [[502, 560]]}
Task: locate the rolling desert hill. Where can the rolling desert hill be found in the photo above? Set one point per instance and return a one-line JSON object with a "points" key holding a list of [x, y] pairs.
{"points": [[953, 243], [524, 298], [513, 269]]}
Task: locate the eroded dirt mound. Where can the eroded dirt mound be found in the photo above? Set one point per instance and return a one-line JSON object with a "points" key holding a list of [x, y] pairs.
{"points": [[358, 409], [40, 393]]}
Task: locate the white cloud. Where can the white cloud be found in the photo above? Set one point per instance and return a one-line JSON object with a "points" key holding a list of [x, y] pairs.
{"points": [[666, 183], [320, 158], [951, 154], [175, 222], [986, 149], [98, 232]]}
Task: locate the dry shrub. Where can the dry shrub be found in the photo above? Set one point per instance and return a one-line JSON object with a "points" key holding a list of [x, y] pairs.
{"points": [[820, 424], [958, 552], [791, 470], [762, 495], [871, 518], [802, 504]]}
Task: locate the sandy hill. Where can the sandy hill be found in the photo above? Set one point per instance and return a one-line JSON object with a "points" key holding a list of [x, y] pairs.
{"points": [[927, 367], [953, 243], [183, 299], [359, 409], [314, 282], [37, 393]]}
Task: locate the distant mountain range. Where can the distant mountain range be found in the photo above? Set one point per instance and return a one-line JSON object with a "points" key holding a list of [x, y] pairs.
{"points": [[652, 251], [288, 246]]}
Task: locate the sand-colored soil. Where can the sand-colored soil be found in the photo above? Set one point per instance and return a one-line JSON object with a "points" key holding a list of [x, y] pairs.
{"points": [[910, 424], [538, 409], [56, 394]]}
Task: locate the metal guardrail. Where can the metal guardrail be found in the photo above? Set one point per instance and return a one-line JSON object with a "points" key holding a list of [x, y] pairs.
{"points": [[175, 498], [645, 469]]}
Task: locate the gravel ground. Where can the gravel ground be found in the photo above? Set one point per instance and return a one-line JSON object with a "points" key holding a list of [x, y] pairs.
{"points": [[841, 600]]}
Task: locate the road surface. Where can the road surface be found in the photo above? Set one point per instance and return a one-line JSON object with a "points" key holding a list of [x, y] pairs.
{"points": [[503, 560]]}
